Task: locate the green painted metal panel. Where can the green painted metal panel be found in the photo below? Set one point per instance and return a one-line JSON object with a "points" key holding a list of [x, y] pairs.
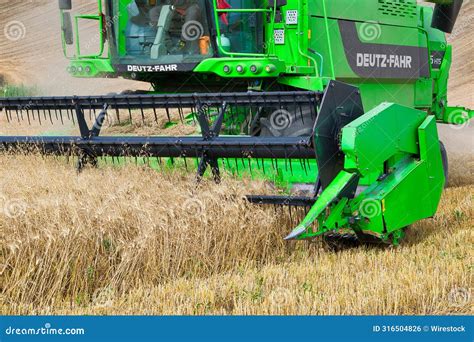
{"points": [[402, 205], [304, 82], [393, 198], [91, 67], [392, 12], [423, 93], [430, 153], [321, 37], [326, 198], [372, 139], [425, 175], [375, 92], [265, 67]]}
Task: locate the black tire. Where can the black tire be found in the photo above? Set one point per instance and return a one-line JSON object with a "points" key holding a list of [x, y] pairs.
{"points": [[444, 158]]}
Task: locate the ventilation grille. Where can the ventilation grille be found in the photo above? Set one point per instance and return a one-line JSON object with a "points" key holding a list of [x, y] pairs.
{"points": [[398, 8]]}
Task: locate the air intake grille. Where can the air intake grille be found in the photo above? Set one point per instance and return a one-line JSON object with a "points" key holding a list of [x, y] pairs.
{"points": [[398, 8]]}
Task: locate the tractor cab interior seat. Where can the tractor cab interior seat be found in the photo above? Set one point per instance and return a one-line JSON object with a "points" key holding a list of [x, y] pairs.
{"points": [[172, 27]]}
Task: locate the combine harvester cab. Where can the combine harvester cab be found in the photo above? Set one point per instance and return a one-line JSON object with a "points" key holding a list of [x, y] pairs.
{"points": [[313, 93]]}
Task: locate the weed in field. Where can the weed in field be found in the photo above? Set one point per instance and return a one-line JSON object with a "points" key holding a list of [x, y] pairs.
{"points": [[16, 90]]}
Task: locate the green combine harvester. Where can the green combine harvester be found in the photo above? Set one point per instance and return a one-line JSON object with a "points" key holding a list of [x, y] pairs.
{"points": [[338, 99]]}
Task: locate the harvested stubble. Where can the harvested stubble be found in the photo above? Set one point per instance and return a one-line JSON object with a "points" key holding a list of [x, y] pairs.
{"points": [[129, 240]]}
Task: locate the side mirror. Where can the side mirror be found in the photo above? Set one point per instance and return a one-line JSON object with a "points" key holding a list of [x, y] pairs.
{"points": [[68, 33], [65, 5], [444, 16]]}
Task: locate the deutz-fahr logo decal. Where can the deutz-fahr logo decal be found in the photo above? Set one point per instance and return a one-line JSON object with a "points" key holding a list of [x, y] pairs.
{"points": [[381, 60], [153, 68], [373, 60]]}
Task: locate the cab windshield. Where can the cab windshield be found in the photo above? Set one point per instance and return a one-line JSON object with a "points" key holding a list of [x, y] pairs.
{"points": [[178, 31]]}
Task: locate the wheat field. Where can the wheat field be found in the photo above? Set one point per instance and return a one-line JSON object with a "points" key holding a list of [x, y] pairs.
{"points": [[130, 240]]}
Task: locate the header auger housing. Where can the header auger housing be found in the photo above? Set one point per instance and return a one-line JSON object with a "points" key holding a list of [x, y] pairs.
{"points": [[311, 93]]}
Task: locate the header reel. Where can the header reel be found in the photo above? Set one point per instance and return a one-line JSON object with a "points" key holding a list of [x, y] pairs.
{"points": [[332, 132]]}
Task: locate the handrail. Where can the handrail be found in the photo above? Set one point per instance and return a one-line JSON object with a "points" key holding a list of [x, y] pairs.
{"points": [[98, 17], [328, 36], [301, 52], [252, 10], [218, 11], [101, 30]]}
